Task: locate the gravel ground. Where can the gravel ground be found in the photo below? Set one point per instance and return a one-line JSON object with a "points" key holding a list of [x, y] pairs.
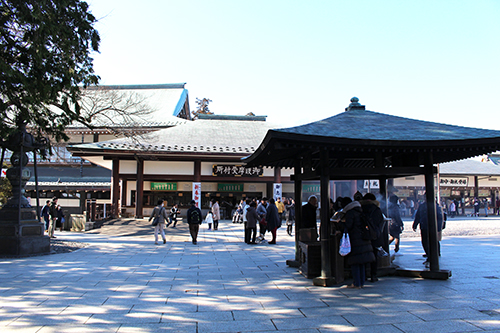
{"points": [[59, 246], [461, 227]]}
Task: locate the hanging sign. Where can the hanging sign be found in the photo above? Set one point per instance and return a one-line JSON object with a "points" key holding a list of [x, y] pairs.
{"points": [[4, 173], [277, 191], [373, 183], [311, 188], [163, 186], [230, 187], [236, 171], [453, 181], [197, 194]]}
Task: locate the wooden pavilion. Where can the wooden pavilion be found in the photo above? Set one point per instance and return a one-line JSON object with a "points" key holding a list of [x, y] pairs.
{"points": [[362, 144]]}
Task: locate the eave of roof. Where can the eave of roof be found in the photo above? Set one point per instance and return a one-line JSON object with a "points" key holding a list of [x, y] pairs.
{"points": [[469, 167], [359, 135], [200, 137]]}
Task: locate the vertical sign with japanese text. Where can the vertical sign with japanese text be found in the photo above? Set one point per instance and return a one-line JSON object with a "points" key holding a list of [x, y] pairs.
{"points": [[197, 194], [277, 190]]}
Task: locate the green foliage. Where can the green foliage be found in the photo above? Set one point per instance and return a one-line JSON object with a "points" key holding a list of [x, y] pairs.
{"points": [[45, 52], [5, 189]]}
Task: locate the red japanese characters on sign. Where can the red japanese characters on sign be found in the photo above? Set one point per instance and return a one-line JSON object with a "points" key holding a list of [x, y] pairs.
{"points": [[197, 194]]}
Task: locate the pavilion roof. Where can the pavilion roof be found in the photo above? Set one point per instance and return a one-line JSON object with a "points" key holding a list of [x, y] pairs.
{"points": [[363, 140]]}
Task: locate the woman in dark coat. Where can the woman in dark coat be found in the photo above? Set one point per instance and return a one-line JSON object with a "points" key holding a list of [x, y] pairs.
{"points": [[252, 220], [361, 249], [272, 219]]}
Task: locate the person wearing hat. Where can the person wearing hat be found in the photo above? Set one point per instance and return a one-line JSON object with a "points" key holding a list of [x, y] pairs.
{"points": [[194, 220]]}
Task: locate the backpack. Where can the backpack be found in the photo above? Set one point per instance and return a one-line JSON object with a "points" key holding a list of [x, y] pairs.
{"points": [[370, 231], [195, 216]]}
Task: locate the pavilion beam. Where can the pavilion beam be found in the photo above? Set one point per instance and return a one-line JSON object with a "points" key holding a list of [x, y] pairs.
{"points": [[326, 279], [363, 173]]}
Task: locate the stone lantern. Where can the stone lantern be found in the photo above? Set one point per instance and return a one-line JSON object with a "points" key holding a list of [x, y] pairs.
{"points": [[21, 231]]}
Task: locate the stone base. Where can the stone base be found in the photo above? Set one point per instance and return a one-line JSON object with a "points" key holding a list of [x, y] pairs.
{"points": [[293, 263], [25, 237], [324, 281], [23, 246], [426, 274]]}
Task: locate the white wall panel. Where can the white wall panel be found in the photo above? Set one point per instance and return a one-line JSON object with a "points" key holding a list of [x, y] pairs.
{"points": [[172, 168], [128, 167]]}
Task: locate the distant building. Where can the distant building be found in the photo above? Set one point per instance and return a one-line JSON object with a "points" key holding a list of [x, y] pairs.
{"points": [[78, 182]]}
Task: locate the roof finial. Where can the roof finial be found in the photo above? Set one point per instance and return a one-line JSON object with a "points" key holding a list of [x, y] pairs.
{"points": [[355, 105]]}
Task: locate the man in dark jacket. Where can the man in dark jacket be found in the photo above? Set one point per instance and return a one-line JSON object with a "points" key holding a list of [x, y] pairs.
{"points": [[421, 219], [371, 209], [53, 217], [309, 214], [194, 220], [46, 214]]}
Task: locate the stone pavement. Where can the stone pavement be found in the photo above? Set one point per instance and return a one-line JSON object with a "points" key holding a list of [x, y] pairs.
{"points": [[128, 284]]}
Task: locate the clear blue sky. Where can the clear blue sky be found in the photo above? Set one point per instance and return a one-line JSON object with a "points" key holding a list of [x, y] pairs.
{"points": [[301, 61]]}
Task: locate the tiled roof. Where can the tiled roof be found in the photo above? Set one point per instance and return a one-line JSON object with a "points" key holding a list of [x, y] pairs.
{"points": [[469, 167], [361, 124], [166, 101], [201, 136]]}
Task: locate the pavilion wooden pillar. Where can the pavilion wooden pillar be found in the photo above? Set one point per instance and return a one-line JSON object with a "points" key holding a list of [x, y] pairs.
{"points": [[197, 171], [298, 211], [430, 196], [277, 175], [124, 194], [115, 188], [139, 189], [326, 279]]}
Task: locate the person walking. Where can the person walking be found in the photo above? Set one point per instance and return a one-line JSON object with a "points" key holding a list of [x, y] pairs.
{"points": [[215, 213], [194, 221], [60, 218], [53, 217], [272, 219], [252, 220], [161, 213], [290, 215], [174, 212], [477, 205], [246, 231], [452, 208], [361, 249], [281, 208], [46, 215], [421, 220], [262, 210], [396, 225]]}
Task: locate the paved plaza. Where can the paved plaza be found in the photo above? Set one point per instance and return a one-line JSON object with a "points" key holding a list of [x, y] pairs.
{"points": [[123, 282]]}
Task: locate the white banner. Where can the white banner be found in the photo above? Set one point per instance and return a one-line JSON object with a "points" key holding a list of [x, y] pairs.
{"points": [[197, 194], [4, 172], [453, 181], [277, 190]]}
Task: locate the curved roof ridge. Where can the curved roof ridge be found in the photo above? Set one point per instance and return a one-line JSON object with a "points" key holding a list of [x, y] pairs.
{"points": [[364, 124]]}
